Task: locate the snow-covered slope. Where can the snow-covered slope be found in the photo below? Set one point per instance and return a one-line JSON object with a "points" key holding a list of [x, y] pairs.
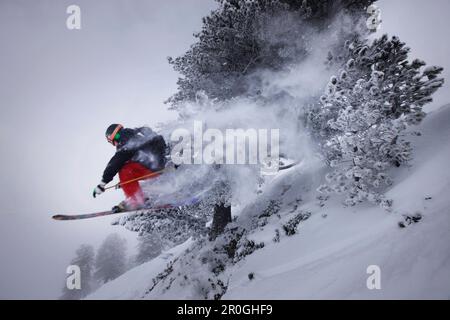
{"points": [[329, 256], [134, 283]]}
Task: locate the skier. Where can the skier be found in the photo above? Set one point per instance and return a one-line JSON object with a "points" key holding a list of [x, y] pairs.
{"points": [[139, 152]]}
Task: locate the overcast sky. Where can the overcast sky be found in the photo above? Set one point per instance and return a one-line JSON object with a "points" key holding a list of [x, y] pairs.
{"points": [[60, 89]]}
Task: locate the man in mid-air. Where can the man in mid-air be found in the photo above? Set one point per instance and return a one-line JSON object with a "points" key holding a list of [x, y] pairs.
{"points": [[139, 153]]}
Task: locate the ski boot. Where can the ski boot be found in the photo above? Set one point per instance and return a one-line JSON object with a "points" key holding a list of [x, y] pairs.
{"points": [[126, 206], [121, 207]]}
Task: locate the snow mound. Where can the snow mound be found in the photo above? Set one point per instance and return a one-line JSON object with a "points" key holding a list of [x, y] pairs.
{"points": [[327, 255]]}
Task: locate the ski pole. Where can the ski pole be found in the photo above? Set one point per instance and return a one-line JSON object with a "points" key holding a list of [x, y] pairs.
{"points": [[137, 179]]}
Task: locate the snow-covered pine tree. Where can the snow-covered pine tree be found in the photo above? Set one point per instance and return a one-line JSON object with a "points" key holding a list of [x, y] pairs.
{"points": [[84, 259], [150, 246], [241, 38], [110, 261], [363, 115]]}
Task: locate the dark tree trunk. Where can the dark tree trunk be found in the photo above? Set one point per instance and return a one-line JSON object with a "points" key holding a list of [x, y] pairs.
{"points": [[222, 216]]}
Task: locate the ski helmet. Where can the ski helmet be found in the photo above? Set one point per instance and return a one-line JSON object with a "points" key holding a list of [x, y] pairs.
{"points": [[113, 133]]}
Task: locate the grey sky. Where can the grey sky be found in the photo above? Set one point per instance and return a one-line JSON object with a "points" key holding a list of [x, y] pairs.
{"points": [[59, 89]]}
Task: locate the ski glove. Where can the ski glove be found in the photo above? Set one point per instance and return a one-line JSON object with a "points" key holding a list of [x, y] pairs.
{"points": [[99, 189]]}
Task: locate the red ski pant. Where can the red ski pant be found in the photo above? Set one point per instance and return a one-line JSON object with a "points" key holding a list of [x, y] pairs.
{"points": [[133, 192]]}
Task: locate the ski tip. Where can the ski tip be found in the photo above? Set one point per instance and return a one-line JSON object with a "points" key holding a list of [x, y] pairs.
{"points": [[58, 217]]}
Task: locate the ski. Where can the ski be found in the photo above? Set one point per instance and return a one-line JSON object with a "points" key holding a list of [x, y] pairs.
{"points": [[64, 217]]}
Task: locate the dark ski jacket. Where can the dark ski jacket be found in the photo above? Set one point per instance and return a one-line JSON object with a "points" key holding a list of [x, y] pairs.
{"points": [[140, 145]]}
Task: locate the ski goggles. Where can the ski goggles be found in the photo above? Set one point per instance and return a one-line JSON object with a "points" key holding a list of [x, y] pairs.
{"points": [[115, 135]]}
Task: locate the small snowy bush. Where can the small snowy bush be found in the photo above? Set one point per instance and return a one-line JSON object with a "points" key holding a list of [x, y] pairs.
{"points": [[290, 227]]}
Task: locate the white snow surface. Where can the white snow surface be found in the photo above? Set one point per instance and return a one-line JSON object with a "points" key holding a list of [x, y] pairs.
{"points": [[329, 256]]}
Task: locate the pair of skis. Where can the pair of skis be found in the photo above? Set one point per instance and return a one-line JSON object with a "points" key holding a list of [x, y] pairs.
{"points": [[64, 217]]}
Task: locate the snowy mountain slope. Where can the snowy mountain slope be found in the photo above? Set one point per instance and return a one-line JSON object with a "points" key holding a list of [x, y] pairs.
{"points": [[134, 283], [329, 255], [328, 259]]}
